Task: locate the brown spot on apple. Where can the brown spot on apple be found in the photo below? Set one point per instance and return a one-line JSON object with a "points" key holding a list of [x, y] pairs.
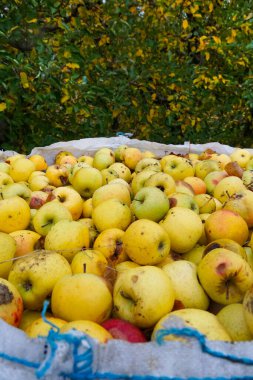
{"points": [[220, 269], [249, 305], [134, 278], [6, 296]]}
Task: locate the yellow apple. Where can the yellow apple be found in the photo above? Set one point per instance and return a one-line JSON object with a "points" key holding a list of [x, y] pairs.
{"points": [[35, 275], [111, 213], [28, 317], [226, 224], [61, 154], [109, 191], [184, 187], [229, 244], [26, 241], [86, 180], [11, 303], [110, 243], [87, 208], [201, 320], [16, 189], [122, 170], [82, 296], [39, 161], [21, 169], [225, 276], [48, 215], [39, 327], [7, 252], [14, 214], [57, 175], [228, 186], [93, 233], [38, 182], [89, 261], [143, 295], [67, 237], [131, 156], [146, 242], [184, 228], [213, 178], [140, 179], [206, 203], [148, 163], [233, 320], [4, 167], [125, 265], [183, 200], [86, 159], [163, 181], [5, 179], [71, 199], [93, 329], [179, 168], [103, 158], [204, 167], [241, 156], [195, 254], [242, 203]]}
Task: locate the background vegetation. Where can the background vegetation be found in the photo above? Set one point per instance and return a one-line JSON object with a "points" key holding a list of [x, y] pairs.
{"points": [[165, 70]]}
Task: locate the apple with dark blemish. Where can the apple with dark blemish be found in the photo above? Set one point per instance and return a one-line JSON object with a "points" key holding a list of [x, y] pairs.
{"points": [[11, 303]]}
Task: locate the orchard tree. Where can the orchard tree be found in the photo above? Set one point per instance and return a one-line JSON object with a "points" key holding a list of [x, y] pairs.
{"points": [[165, 70]]}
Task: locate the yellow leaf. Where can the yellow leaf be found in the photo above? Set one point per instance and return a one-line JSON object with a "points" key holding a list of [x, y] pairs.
{"points": [[115, 113], [134, 103], [24, 80], [139, 53], [32, 21], [66, 54], [72, 65], [207, 55], [231, 38], [194, 9], [185, 24], [217, 40], [2, 106], [103, 40], [153, 96], [210, 7]]}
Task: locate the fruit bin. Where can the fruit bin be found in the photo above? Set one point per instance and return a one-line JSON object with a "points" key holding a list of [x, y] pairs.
{"points": [[77, 356]]}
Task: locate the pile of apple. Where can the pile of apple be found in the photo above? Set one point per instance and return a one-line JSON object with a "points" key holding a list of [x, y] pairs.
{"points": [[121, 241]]}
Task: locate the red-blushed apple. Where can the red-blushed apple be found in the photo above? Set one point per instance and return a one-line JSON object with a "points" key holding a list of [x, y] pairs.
{"points": [[26, 241], [212, 179], [197, 184], [124, 330], [226, 224], [11, 303], [38, 198]]}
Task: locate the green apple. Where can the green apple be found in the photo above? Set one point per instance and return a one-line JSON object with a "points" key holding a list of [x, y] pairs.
{"points": [[148, 163], [150, 203], [86, 180], [213, 178], [48, 215], [119, 152], [188, 291], [67, 237], [143, 295], [225, 276], [205, 167], [103, 158], [184, 228], [140, 180], [146, 242], [35, 276], [183, 200], [17, 188]]}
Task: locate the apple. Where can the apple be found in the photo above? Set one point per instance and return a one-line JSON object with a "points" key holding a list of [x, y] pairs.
{"points": [[131, 156], [5, 179], [229, 244], [225, 276], [110, 243], [148, 154], [14, 157], [198, 184], [111, 213], [38, 198], [183, 200], [61, 154], [85, 158], [67, 160], [7, 252], [67, 237], [201, 320], [93, 233], [205, 167], [92, 329], [143, 295], [183, 187], [26, 241], [241, 203], [226, 224], [57, 175], [4, 167], [89, 261], [21, 169], [195, 254], [233, 168], [74, 169], [11, 303], [179, 168], [233, 320], [38, 182], [82, 296], [223, 159], [39, 161], [205, 203], [227, 187], [188, 291], [241, 156], [162, 181], [110, 191], [203, 239], [124, 330], [122, 170], [14, 214], [150, 203], [40, 327], [125, 265], [140, 179], [87, 208], [48, 215], [86, 180], [146, 242], [29, 316], [184, 228], [213, 178], [108, 175], [103, 158], [14, 189], [247, 179], [119, 152], [35, 276], [70, 198], [148, 163]]}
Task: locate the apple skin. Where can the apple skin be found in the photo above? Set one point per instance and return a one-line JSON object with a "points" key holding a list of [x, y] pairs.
{"points": [[162, 181], [213, 178], [103, 158], [93, 329], [7, 252], [146, 242], [227, 187], [139, 180], [179, 168], [147, 163], [131, 156], [202, 168], [122, 170], [183, 200], [40, 328], [124, 330], [38, 198], [86, 180], [14, 214], [242, 203], [26, 241], [21, 169], [241, 156], [109, 191], [82, 296], [110, 243], [206, 203], [226, 224], [16, 189], [150, 203], [57, 175], [197, 184], [5, 179], [35, 276], [11, 303], [89, 261], [70, 198], [142, 295], [39, 161], [225, 276]]}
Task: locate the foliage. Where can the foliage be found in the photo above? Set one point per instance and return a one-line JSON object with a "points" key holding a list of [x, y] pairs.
{"points": [[166, 70]]}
